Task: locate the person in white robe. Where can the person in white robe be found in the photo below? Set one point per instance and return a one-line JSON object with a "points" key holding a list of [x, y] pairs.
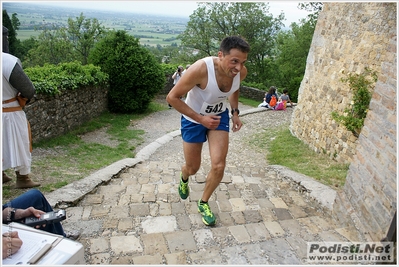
{"points": [[17, 89]]}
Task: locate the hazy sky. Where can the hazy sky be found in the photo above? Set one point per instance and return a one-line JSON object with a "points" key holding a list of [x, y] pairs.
{"points": [[175, 8]]}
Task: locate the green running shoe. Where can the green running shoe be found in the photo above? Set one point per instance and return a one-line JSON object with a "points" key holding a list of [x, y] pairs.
{"points": [[207, 216], [184, 190]]}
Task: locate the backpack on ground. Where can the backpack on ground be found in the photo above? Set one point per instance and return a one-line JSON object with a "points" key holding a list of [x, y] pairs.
{"points": [[280, 106]]}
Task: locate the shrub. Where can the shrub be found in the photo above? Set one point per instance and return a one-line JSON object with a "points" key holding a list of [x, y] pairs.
{"points": [[51, 79], [134, 75], [362, 86]]}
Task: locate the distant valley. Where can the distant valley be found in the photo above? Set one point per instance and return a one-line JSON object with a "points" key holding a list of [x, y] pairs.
{"points": [[151, 29]]}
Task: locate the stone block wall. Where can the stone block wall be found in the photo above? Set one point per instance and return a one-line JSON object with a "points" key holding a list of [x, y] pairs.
{"points": [[369, 196], [52, 116], [348, 38], [252, 93]]}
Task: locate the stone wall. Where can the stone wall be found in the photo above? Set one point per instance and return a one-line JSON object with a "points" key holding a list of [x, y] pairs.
{"points": [[348, 38], [252, 93], [369, 196], [52, 116]]}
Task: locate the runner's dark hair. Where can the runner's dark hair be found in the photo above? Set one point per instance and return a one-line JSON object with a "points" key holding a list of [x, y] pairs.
{"points": [[232, 42]]}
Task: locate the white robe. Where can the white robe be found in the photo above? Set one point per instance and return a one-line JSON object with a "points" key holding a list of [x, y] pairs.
{"points": [[16, 146]]}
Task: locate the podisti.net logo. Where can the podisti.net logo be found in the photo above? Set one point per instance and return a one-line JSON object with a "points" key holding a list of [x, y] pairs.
{"points": [[359, 252]]}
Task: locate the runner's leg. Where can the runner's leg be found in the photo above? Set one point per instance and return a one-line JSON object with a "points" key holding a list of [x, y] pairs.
{"points": [[218, 147], [192, 156]]}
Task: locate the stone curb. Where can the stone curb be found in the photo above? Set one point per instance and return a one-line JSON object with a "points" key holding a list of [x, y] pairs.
{"points": [[70, 194], [150, 149], [324, 194]]}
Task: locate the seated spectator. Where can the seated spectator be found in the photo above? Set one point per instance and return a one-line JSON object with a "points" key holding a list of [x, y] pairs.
{"points": [[285, 97], [270, 99], [33, 203]]}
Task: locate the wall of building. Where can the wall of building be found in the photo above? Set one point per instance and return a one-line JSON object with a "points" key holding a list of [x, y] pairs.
{"points": [[348, 38]]}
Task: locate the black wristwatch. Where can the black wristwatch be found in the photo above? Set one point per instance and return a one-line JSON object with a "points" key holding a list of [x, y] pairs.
{"points": [[11, 216], [235, 110]]}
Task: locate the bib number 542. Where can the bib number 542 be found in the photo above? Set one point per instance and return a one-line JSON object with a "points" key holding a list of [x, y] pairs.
{"points": [[214, 108]]}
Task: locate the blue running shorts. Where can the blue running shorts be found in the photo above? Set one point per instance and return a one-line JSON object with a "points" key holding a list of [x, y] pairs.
{"points": [[192, 132]]}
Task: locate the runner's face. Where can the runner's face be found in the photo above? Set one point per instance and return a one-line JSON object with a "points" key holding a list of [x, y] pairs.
{"points": [[232, 63]]}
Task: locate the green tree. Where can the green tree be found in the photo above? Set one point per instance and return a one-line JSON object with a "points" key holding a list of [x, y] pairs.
{"points": [[293, 47], [13, 42], [84, 33], [53, 46], [134, 75], [212, 21], [198, 33], [313, 7], [26, 46], [15, 21], [64, 44]]}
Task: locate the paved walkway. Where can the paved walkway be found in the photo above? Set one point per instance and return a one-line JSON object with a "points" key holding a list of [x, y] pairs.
{"points": [[131, 213]]}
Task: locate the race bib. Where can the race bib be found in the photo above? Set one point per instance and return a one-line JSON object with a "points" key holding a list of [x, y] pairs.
{"points": [[213, 109]]}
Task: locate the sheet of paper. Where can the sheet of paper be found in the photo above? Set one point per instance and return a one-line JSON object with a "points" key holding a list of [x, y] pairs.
{"points": [[33, 242]]}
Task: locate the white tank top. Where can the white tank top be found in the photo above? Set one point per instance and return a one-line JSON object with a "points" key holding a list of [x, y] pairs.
{"points": [[211, 100]]}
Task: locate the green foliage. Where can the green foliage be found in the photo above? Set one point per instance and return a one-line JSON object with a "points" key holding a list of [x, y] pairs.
{"points": [[293, 46], [15, 21], [83, 33], [61, 44], [314, 7], [362, 86], [51, 79], [10, 24], [27, 45], [52, 47], [212, 21], [134, 75]]}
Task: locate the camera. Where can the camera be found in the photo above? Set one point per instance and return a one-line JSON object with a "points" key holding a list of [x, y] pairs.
{"points": [[178, 69]]}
